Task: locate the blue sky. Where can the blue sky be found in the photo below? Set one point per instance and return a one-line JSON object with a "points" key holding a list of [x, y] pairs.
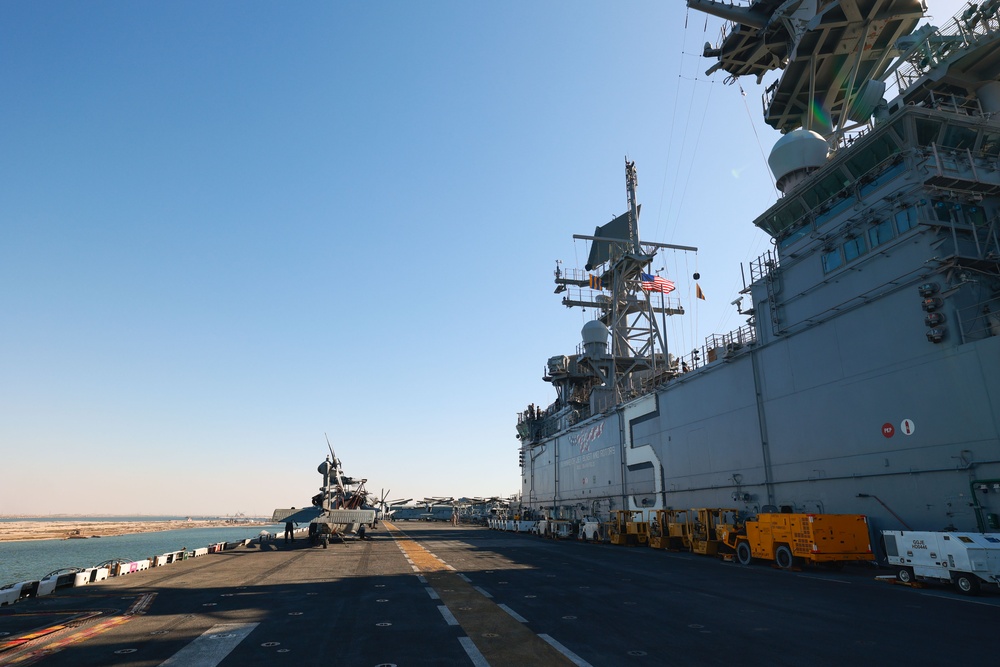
{"points": [[232, 227]]}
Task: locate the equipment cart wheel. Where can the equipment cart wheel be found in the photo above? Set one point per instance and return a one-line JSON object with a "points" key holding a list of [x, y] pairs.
{"points": [[967, 584], [783, 557], [743, 553], [905, 575]]}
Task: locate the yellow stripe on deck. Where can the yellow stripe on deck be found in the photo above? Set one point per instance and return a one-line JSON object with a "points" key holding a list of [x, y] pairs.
{"points": [[500, 638]]}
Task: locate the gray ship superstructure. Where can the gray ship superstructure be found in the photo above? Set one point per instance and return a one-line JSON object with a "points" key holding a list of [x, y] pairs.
{"points": [[867, 377]]}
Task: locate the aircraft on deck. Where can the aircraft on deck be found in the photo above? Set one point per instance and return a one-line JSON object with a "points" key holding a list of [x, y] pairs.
{"points": [[338, 510]]}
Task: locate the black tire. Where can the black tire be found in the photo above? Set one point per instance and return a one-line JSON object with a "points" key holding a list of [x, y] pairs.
{"points": [[905, 575], [966, 584], [783, 557], [743, 554]]}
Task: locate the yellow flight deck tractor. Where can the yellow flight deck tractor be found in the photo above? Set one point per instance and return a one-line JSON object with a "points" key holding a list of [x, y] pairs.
{"points": [[668, 529], [627, 527], [705, 527], [792, 539]]}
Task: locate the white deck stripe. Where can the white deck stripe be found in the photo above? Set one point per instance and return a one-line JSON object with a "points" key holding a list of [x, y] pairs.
{"points": [[212, 647], [477, 658], [482, 591], [449, 617], [573, 657], [433, 593], [465, 578], [517, 616]]}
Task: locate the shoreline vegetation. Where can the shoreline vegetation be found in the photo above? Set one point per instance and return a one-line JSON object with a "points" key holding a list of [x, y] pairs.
{"points": [[79, 528]]}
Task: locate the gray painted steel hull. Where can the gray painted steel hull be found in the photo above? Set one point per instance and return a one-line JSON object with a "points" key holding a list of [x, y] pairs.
{"points": [[697, 443], [867, 379]]}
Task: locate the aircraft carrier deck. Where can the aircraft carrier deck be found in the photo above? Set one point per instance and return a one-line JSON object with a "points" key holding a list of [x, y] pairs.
{"points": [[434, 594]]}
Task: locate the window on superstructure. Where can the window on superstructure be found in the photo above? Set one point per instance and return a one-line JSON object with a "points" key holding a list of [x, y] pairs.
{"points": [[854, 248], [869, 186], [974, 214], [836, 209], [906, 219], [795, 235], [787, 217], [876, 152], [945, 211], [832, 259], [833, 185], [881, 233], [927, 131], [957, 136], [990, 145]]}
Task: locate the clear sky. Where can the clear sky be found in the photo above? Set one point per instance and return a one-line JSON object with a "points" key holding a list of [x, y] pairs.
{"points": [[228, 228]]}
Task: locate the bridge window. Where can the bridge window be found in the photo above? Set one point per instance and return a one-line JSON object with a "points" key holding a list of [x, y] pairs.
{"points": [[832, 259], [795, 235], [877, 151], [854, 248], [906, 219], [956, 136], [974, 214], [946, 211], [881, 233], [927, 131]]}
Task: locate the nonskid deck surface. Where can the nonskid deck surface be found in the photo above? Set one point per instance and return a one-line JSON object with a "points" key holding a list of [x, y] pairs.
{"points": [[434, 594]]}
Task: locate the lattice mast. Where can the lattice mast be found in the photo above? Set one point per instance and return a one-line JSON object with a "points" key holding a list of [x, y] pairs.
{"points": [[628, 312]]}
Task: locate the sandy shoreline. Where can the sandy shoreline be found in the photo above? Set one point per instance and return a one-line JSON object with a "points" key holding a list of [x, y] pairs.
{"points": [[56, 530]]}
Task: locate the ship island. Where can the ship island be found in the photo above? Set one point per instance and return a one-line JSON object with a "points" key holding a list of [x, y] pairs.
{"points": [[864, 379]]}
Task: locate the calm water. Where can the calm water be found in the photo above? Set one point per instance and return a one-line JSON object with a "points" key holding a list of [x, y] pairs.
{"points": [[32, 560]]}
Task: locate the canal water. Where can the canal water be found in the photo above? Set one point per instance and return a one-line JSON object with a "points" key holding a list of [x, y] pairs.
{"points": [[33, 559]]}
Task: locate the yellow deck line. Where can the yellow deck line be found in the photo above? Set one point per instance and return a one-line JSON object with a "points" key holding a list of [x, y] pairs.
{"points": [[499, 637]]}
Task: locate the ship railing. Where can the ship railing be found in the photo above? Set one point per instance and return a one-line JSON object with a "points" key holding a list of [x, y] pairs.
{"points": [[717, 347], [586, 297], [980, 320], [969, 106], [848, 138], [538, 424], [973, 22], [574, 274], [963, 164], [732, 341], [763, 265], [975, 243]]}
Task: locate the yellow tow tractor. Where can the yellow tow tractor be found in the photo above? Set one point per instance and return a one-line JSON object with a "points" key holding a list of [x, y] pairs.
{"points": [[792, 539], [627, 527]]}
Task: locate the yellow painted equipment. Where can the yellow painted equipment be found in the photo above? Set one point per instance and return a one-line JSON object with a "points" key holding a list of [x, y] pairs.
{"points": [[705, 527], [791, 539], [627, 527], [668, 530]]}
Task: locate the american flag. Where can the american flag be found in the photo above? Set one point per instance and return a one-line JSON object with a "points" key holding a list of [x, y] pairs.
{"points": [[652, 283]]}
